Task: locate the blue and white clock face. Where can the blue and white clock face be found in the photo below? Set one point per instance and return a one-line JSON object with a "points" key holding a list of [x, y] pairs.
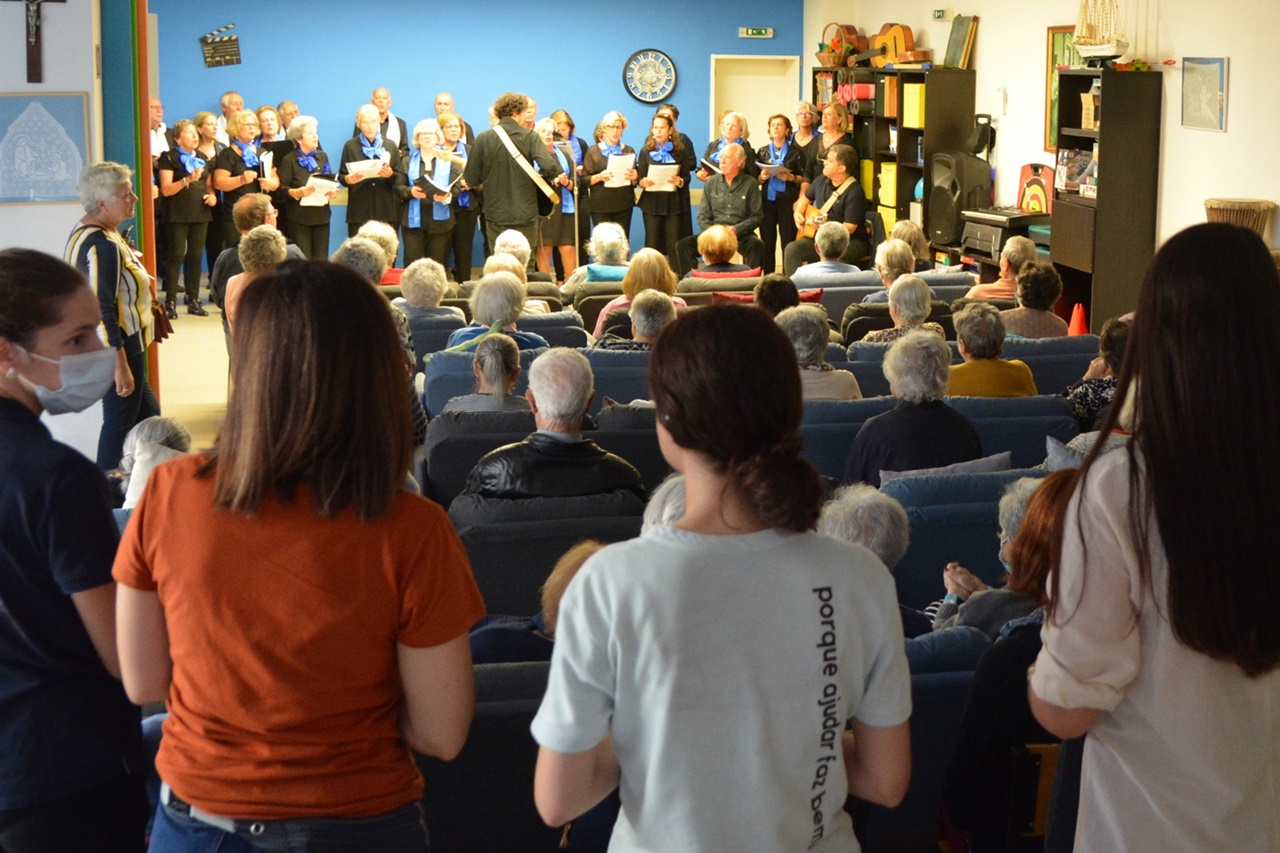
{"points": [[649, 76]]}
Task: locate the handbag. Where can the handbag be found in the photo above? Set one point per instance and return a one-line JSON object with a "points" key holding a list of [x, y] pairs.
{"points": [[161, 326]]}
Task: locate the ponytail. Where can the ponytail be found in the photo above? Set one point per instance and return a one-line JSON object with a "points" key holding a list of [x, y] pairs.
{"points": [[780, 486]]}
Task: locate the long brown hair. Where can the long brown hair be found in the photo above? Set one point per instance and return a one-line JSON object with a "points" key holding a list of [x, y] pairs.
{"points": [[677, 147], [320, 397], [725, 384], [1204, 371], [1039, 539]]}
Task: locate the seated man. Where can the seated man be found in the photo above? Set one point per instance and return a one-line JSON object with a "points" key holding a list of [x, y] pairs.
{"points": [[831, 242], [806, 327], [651, 312], [732, 199], [837, 196], [894, 258], [1017, 251], [556, 461], [248, 213], [980, 336]]}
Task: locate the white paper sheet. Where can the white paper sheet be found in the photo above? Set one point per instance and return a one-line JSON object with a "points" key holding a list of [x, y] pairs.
{"points": [[619, 165], [266, 161], [773, 170], [365, 168], [659, 175], [320, 197]]}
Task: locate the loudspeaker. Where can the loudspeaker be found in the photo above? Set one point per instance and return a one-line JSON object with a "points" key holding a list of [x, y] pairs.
{"points": [[960, 182]]}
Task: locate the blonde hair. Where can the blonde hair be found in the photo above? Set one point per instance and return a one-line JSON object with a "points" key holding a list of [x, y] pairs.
{"points": [[717, 244], [558, 581], [649, 270]]}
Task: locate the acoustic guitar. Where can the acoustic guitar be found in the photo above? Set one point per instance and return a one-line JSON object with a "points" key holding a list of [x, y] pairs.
{"points": [[891, 41]]}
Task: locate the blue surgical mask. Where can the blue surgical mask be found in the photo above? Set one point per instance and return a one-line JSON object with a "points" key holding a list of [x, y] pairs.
{"points": [[85, 379]]}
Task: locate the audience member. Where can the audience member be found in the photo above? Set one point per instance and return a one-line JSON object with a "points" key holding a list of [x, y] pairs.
{"points": [[496, 304], [1017, 251], [248, 213], [776, 293], [608, 248], [423, 284], [658, 636], [806, 327], [865, 516], [649, 270], [167, 433], [385, 236], [666, 504], [497, 369], [921, 431], [555, 461], [1090, 397], [830, 242], [980, 337], [909, 307], [893, 259], [261, 248], [1039, 287], [913, 235], [651, 312]]}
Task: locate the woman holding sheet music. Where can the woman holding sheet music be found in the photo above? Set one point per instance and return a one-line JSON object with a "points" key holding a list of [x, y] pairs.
{"points": [[733, 128], [466, 200], [610, 203], [237, 170], [426, 219], [370, 194], [308, 224], [557, 230], [664, 209], [780, 189], [187, 182]]}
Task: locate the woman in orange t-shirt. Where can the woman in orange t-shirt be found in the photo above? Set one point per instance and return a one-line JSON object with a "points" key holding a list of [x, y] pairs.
{"points": [[310, 629]]}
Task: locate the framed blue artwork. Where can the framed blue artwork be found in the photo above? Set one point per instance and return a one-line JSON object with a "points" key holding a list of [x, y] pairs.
{"points": [[1204, 92], [44, 145]]}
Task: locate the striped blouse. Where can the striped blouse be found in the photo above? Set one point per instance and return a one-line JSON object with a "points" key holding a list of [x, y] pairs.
{"points": [[118, 277]]}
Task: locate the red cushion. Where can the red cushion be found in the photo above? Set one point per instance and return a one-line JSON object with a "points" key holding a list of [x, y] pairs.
{"points": [[720, 297], [751, 273], [811, 295], [392, 276]]}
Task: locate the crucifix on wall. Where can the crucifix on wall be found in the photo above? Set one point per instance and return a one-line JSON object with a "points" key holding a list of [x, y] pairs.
{"points": [[35, 65]]}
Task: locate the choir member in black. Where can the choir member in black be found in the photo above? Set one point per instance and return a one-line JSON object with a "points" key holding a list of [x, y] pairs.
{"points": [[237, 171], [186, 183], [733, 128], [270, 139], [426, 224], [665, 212], [780, 192], [565, 133], [374, 197], [557, 230], [444, 104], [308, 225], [805, 137], [466, 200], [672, 112], [835, 126], [610, 204], [209, 147]]}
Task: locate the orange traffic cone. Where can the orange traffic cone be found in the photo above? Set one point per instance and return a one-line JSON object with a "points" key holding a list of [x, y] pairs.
{"points": [[1078, 325]]}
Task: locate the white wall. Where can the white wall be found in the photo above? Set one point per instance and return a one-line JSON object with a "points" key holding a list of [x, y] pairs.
{"points": [[69, 39], [1009, 55]]}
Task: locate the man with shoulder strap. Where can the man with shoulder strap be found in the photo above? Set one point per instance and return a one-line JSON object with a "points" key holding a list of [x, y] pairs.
{"points": [[514, 167], [834, 196]]}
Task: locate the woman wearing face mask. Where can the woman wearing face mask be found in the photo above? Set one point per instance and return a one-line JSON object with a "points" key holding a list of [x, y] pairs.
{"points": [[96, 248], [70, 741]]}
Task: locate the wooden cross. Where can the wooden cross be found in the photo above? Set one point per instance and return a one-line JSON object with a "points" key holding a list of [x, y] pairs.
{"points": [[35, 67]]}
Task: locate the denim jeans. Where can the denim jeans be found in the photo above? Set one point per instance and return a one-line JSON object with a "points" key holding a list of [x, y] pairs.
{"points": [[403, 830]]}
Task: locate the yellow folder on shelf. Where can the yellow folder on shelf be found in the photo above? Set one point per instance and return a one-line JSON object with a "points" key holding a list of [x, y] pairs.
{"points": [[890, 217], [888, 183], [913, 105]]}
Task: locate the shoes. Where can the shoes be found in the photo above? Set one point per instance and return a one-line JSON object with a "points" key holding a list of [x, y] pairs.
{"points": [[197, 310], [171, 310]]}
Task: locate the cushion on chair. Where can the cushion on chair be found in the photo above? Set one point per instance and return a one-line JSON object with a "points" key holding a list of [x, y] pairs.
{"points": [[605, 272], [702, 273], [994, 462]]}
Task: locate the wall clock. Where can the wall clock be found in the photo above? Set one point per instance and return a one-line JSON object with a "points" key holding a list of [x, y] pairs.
{"points": [[649, 75]]}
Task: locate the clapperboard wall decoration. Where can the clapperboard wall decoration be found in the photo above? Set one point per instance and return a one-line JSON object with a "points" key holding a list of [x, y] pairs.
{"points": [[219, 49]]}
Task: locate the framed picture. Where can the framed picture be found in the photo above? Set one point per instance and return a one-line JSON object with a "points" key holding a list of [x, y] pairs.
{"points": [[44, 145], [1204, 93], [1058, 52]]}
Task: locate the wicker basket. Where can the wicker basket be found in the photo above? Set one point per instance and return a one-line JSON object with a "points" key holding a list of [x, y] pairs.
{"points": [[831, 59], [1252, 213]]}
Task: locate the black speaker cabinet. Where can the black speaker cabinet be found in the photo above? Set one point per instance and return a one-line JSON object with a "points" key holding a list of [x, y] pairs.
{"points": [[960, 182]]}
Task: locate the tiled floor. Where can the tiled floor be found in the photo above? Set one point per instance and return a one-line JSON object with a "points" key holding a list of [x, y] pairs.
{"points": [[193, 375]]}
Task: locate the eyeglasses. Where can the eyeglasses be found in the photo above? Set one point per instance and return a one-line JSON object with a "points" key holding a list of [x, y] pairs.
{"points": [[614, 126]]}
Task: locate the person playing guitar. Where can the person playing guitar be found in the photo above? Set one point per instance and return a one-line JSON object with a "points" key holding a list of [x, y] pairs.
{"points": [[834, 196]]}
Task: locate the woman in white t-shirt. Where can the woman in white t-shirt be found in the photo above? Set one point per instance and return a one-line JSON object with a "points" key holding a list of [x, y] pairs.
{"points": [[1162, 642], [710, 669]]}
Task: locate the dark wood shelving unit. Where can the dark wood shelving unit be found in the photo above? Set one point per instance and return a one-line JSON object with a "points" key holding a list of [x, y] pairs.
{"points": [[1102, 245], [948, 121]]}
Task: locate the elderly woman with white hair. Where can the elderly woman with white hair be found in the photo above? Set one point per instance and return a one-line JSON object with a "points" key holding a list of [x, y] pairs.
{"points": [[385, 236], [608, 248], [259, 250], [496, 304], [425, 187], [806, 326], [372, 197], [611, 203], [980, 336], [909, 306], [423, 286], [733, 129], [497, 369], [306, 225], [921, 431], [123, 286], [557, 231]]}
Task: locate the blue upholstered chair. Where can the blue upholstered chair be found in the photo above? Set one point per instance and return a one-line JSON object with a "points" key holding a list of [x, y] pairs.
{"points": [[431, 334], [448, 375], [1056, 363]]}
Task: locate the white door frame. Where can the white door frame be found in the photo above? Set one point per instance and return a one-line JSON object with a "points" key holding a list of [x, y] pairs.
{"points": [[797, 72]]}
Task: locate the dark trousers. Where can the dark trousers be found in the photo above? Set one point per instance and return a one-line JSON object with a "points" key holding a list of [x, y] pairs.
{"points": [[778, 222], [312, 240], [418, 244], [121, 414], [462, 242], [212, 242], [622, 217], [186, 244], [662, 232], [110, 818], [749, 246]]}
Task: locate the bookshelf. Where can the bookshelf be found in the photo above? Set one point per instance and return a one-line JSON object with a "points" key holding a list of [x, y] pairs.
{"points": [[896, 134], [1102, 245]]}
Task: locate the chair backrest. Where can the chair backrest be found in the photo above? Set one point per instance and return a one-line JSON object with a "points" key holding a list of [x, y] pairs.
{"points": [[574, 337], [828, 428], [1019, 424], [640, 448], [431, 334], [875, 227], [619, 375], [590, 306], [491, 775], [694, 284], [864, 351], [1056, 363], [618, 323], [449, 375], [512, 559], [954, 517], [457, 440], [459, 302]]}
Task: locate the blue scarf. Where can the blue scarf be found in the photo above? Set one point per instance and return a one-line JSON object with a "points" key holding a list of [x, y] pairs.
{"points": [[440, 175], [307, 161], [372, 150], [611, 150], [776, 185], [190, 161], [463, 198], [249, 156], [566, 194], [662, 153], [715, 157], [577, 149]]}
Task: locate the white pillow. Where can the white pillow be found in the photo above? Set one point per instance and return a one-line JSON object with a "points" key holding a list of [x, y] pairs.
{"points": [[996, 462], [146, 456]]}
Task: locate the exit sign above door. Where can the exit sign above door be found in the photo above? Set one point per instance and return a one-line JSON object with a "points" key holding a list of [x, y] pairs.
{"points": [[755, 32]]}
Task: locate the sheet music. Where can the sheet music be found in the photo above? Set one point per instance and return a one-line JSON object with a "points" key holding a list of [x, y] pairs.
{"points": [[618, 166], [266, 160], [366, 168], [774, 170], [320, 197], [710, 167], [660, 175]]}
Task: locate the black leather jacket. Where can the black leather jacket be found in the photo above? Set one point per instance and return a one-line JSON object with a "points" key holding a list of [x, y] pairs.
{"points": [[542, 467]]}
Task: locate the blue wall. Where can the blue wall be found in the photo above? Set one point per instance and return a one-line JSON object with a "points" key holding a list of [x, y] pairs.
{"points": [[563, 55]]}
